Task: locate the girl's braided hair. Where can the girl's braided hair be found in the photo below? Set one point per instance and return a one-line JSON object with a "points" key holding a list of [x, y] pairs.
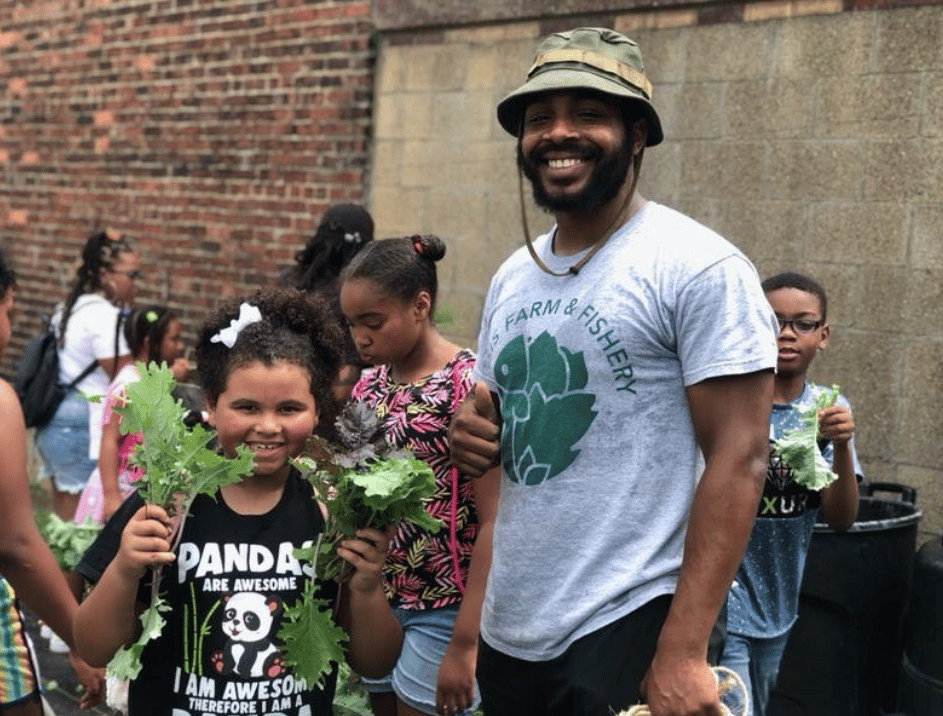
{"points": [[296, 327], [101, 251], [402, 267], [150, 324]]}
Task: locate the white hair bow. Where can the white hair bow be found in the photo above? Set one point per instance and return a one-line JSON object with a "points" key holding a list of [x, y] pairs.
{"points": [[248, 314]]}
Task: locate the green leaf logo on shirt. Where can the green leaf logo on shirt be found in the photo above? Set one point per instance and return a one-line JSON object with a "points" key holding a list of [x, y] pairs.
{"points": [[545, 408]]}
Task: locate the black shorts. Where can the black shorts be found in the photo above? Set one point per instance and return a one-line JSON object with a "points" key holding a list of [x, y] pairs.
{"points": [[598, 675]]}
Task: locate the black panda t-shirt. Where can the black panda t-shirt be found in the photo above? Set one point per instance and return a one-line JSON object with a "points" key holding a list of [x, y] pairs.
{"points": [[218, 652]]}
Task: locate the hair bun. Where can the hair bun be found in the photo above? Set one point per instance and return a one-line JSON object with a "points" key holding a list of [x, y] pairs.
{"points": [[428, 246]]}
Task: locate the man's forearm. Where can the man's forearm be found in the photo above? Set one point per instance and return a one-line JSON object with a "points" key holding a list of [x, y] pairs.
{"points": [[719, 528]]}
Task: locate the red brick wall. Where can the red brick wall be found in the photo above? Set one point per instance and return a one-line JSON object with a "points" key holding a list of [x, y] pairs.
{"points": [[213, 132]]}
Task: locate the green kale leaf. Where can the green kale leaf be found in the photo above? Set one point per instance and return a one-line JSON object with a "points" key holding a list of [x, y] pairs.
{"points": [[178, 464], [363, 482], [799, 447], [67, 540], [126, 663], [311, 640]]}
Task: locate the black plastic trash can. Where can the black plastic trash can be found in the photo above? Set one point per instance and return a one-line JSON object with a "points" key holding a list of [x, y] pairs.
{"points": [[922, 687], [845, 650]]}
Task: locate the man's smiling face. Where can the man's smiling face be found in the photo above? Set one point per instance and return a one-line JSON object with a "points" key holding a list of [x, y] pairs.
{"points": [[574, 150]]}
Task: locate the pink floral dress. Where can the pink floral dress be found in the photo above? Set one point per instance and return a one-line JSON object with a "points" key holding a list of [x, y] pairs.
{"points": [[91, 503], [423, 570]]}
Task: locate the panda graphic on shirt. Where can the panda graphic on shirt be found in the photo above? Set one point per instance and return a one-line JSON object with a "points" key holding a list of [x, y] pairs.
{"points": [[248, 618]]}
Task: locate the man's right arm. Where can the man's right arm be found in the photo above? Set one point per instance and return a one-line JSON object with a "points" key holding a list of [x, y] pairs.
{"points": [[474, 434]]}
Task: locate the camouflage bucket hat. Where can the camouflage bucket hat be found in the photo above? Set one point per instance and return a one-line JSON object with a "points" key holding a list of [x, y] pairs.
{"points": [[586, 58]]}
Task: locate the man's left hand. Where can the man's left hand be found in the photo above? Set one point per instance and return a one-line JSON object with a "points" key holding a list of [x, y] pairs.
{"points": [[680, 687]]}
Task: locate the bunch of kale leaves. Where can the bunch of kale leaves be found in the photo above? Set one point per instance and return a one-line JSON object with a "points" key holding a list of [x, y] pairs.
{"points": [[178, 463], [363, 481]]}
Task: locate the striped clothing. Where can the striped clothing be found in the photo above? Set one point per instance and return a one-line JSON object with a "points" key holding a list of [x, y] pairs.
{"points": [[18, 672]]}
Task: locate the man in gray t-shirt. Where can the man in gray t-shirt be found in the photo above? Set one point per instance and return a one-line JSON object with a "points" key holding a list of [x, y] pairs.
{"points": [[625, 380]]}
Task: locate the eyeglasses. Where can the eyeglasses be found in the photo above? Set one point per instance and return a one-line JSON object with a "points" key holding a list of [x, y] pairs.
{"points": [[799, 326], [133, 275]]}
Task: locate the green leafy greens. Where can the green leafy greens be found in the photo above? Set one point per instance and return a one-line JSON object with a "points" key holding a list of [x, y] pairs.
{"points": [[178, 464], [67, 540], [799, 447], [363, 481]]}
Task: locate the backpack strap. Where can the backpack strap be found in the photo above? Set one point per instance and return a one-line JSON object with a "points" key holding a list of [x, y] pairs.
{"points": [[85, 373]]}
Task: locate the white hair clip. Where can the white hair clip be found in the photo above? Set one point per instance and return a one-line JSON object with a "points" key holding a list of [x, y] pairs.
{"points": [[248, 314], [353, 238]]}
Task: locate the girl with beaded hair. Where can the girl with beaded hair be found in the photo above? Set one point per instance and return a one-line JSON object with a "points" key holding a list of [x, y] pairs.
{"points": [[91, 346]]}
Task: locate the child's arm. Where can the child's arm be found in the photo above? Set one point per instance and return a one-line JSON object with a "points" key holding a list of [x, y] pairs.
{"points": [[91, 680], [455, 686], [375, 636], [25, 559], [108, 464], [107, 619], [840, 499]]}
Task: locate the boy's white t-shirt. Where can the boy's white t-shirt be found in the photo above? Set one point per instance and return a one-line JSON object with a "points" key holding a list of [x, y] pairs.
{"points": [[90, 335], [600, 461]]}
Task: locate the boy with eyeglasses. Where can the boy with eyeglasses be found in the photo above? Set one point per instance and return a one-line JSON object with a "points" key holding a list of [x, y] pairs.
{"points": [[762, 604]]}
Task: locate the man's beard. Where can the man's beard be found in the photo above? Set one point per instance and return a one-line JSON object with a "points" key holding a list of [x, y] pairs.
{"points": [[604, 183]]}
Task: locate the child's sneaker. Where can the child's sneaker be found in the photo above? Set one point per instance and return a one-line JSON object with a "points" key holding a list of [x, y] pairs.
{"points": [[57, 644]]}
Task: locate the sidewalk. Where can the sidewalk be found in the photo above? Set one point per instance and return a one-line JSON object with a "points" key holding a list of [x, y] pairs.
{"points": [[59, 684]]}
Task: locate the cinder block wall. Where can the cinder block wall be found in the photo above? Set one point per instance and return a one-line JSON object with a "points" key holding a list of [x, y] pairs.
{"points": [[214, 133], [809, 135]]}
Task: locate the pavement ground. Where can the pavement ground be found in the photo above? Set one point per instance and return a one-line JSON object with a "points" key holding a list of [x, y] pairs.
{"points": [[60, 687]]}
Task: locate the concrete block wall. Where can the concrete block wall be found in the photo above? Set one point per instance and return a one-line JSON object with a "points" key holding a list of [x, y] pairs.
{"points": [[808, 134], [214, 133]]}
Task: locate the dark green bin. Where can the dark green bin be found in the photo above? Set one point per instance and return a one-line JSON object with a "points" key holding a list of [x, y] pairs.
{"points": [[845, 651]]}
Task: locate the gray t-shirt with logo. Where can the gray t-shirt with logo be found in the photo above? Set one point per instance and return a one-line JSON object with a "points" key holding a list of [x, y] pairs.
{"points": [[599, 456]]}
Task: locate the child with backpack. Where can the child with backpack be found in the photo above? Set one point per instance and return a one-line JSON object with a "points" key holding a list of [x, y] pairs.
{"points": [[91, 351]]}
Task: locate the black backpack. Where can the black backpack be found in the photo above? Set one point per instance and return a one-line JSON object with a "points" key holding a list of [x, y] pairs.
{"points": [[37, 379]]}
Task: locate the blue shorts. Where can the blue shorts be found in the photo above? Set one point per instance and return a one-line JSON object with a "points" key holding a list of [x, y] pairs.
{"points": [[63, 446], [18, 682], [426, 635]]}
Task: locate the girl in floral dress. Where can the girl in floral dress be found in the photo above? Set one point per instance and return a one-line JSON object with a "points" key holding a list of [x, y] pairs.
{"points": [[435, 582]]}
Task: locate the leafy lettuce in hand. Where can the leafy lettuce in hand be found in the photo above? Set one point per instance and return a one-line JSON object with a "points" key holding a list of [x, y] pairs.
{"points": [[363, 482], [799, 447]]}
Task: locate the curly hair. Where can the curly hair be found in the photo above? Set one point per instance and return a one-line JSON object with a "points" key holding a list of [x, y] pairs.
{"points": [[402, 267], [344, 230], [101, 251], [295, 328]]}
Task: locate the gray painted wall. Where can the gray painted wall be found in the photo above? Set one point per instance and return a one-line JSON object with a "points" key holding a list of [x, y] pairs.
{"points": [[814, 143]]}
